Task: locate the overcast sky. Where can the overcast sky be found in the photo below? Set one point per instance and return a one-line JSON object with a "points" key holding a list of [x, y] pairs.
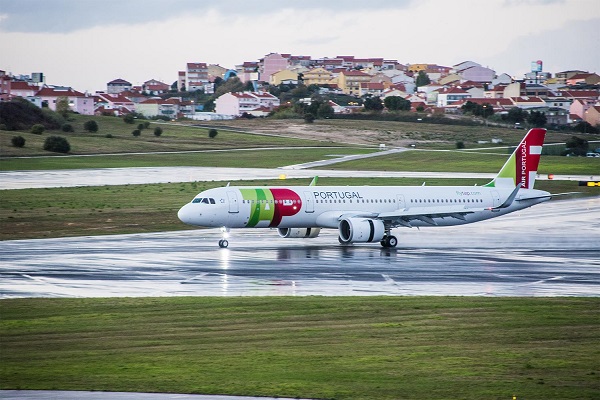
{"points": [[87, 43]]}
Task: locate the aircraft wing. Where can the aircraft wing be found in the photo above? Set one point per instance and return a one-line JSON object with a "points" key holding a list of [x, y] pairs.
{"points": [[403, 217]]}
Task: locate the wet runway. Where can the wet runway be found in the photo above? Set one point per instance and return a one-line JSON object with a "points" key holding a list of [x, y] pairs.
{"points": [[552, 249]]}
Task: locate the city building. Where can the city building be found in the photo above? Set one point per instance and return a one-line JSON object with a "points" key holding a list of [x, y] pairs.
{"points": [[117, 86]]}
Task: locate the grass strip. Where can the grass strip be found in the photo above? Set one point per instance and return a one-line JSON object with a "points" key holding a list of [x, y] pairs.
{"points": [[310, 347], [454, 161], [255, 158], [101, 210]]}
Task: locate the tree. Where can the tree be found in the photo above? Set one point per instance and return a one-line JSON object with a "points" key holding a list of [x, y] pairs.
{"points": [[325, 111], [91, 126], [129, 119], [516, 115], [577, 146], [487, 110], [422, 79], [394, 103], [158, 131], [468, 107], [209, 106], [141, 127], [232, 84], [585, 127], [537, 119], [373, 104], [212, 133], [18, 141], [249, 87], [57, 144], [62, 106], [136, 132]]}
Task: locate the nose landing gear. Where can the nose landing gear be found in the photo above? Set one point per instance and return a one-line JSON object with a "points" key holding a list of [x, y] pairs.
{"points": [[223, 243]]}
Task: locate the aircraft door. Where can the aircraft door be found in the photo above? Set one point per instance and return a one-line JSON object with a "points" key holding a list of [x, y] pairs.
{"points": [[309, 205], [400, 200], [233, 202]]}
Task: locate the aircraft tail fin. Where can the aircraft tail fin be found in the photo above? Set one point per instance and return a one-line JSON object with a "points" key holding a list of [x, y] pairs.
{"points": [[521, 167]]}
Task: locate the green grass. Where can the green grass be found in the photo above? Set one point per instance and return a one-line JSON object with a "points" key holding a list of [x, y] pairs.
{"points": [[310, 347], [174, 138], [463, 161], [100, 210], [263, 158]]}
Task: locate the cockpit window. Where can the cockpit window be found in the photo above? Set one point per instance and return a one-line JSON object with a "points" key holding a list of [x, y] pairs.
{"points": [[204, 200]]}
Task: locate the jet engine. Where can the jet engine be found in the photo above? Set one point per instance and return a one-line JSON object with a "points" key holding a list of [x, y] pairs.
{"points": [[298, 232], [361, 230]]}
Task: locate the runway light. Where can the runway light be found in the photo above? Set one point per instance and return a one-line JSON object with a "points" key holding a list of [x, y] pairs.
{"points": [[283, 176], [550, 176]]}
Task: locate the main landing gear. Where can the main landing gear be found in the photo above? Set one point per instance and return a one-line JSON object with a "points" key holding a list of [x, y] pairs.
{"points": [[389, 241]]}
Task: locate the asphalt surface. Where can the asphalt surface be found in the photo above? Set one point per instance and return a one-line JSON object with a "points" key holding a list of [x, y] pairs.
{"points": [[552, 249]]}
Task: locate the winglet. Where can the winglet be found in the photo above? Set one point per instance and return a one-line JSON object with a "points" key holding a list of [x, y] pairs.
{"points": [[509, 200], [314, 181]]}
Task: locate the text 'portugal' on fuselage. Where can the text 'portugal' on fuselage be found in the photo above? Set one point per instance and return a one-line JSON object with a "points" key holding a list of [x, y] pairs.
{"points": [[364, 214]]}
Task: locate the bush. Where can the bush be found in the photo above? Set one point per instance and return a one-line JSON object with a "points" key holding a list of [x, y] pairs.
{"points": [[57, 144], [108, 136], [146, 124], [158, 131], [91, 126], [38, 129], [21, 114], [67, 128], [212, 133], [129, 119], [585, 127], [309, 118], [460, 145], [18, 141], [140, 127], [136, 132]]}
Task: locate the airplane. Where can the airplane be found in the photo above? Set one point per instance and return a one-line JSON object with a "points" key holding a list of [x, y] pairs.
{"points": [[367, 214]]}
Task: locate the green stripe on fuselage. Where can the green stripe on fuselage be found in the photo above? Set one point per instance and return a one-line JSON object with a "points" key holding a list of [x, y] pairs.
{"points": [[261, 205]]}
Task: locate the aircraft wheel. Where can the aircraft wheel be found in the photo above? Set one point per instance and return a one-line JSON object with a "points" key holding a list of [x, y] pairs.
{"points": [[391, 241], [223, 243]]}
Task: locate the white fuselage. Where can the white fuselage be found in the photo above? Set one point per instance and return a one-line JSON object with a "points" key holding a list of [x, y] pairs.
{"points": [[322, 206]]}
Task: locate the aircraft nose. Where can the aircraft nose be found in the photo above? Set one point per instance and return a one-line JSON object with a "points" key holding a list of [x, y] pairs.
{"points": [[185, 214]]}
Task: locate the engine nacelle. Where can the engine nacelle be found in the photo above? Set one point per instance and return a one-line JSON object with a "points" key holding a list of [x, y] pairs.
{"points": [[361, 230], [298, 232]]}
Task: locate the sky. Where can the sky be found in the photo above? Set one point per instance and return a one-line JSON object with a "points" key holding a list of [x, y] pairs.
{"points": [[87, 43]]}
